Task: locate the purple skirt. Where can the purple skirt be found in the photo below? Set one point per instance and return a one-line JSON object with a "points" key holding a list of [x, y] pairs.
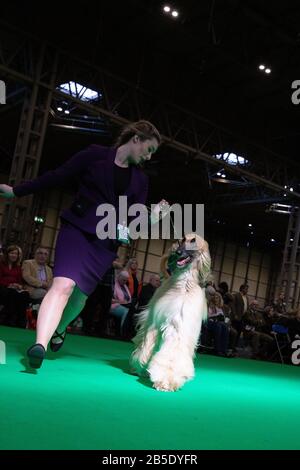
{"points": [[82, 257]]}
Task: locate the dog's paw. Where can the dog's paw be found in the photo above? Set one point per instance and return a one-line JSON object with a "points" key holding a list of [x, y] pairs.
{"points": [[165, 387]]}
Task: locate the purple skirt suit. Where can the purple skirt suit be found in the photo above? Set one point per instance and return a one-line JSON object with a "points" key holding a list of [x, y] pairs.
{"points": [[79, 254]]}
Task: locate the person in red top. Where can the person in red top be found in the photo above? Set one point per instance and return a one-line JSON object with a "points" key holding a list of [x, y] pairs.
{"points": [[12, 295], [134, 285]]}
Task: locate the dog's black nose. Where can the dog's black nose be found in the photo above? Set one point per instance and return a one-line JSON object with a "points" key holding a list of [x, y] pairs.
{"points": [[179, 251]]}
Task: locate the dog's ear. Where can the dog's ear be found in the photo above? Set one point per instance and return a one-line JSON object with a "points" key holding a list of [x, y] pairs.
{"points": [[204, 262]]}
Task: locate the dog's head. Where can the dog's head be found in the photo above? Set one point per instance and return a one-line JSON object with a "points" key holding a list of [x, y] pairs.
{"points": [[191, 252]]}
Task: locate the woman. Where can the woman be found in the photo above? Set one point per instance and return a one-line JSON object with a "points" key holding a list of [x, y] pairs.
{"points": [[12, 294], [81, 258], [121, 301], [134, 285], [217, 325]]}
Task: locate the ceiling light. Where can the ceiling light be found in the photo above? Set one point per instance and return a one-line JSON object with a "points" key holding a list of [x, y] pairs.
{"points": [[267, 70], [167, 9], [262, 67], [175, 13]]}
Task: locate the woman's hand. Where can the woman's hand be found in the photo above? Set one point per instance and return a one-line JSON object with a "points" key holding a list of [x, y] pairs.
{"points": [[6, 191], [13, 285], [162, 208]]}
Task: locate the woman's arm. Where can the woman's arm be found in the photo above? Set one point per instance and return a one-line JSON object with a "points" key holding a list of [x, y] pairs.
{"points": [[72, 168]]}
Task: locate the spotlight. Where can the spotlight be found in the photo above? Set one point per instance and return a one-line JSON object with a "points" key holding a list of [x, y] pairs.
{"points": [[262, 67], [219, 174], [291, 189], [249, 225], [67, 111], [272, 240], [223, 175], [175, 13], [59, 108], [291, 239], [268, 71], [167, 9]]}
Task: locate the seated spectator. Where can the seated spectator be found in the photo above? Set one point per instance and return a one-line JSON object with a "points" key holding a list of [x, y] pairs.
{"points": [[134, 285], [239, 305], [216, 324], [37, 275], [279, 304], [290, 321], [269, 318], [121, 301], [12, 294], [148, 290], [97, 307], [223, 289], [143, 300], [253, 326]]}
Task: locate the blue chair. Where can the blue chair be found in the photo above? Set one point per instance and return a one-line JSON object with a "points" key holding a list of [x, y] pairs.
{"points": [[282, 340]]}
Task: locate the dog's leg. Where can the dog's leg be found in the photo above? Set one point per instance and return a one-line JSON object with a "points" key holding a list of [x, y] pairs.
{"points": [[142, 354], [173, 364]]}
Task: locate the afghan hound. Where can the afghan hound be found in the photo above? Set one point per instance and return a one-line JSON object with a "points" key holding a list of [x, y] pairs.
{"points": [[169, 328]]}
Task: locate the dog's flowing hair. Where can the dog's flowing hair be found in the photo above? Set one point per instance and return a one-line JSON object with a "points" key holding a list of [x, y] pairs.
{"points": [[169, 328]]}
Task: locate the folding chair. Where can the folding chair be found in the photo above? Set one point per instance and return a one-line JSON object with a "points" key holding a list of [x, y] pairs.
{"points": [[282, 341]]}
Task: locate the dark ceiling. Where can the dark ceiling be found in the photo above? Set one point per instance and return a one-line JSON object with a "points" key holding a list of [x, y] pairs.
{"points": [[206, 61]]}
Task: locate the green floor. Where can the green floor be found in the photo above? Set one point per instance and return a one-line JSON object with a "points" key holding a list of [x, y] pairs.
{"points": [[84, 398]]}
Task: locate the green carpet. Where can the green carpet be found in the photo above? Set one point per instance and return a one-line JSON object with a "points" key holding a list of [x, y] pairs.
{"points": [[84, 398]]}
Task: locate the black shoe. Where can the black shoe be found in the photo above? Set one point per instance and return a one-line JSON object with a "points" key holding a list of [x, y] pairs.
{"points": [[56, 346], [36, 355]]}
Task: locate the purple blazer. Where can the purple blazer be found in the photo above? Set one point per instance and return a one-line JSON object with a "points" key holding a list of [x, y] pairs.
{"points": [[94, 167]]}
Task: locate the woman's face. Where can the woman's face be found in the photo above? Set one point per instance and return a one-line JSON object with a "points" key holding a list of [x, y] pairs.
{"points": [[13, 256], [142, 150], [123, 280], [133, 265]]}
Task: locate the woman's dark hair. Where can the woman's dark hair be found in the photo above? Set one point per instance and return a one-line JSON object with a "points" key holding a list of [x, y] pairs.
{"points": [[8, 250], [144, 129], [224, 287]]}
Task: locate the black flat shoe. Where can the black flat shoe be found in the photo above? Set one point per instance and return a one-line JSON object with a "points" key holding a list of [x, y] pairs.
{"points": [[36, 355], [56, 346]]}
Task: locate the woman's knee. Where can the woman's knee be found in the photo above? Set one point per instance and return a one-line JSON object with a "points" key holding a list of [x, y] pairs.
{"points": [[63, 286]]}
